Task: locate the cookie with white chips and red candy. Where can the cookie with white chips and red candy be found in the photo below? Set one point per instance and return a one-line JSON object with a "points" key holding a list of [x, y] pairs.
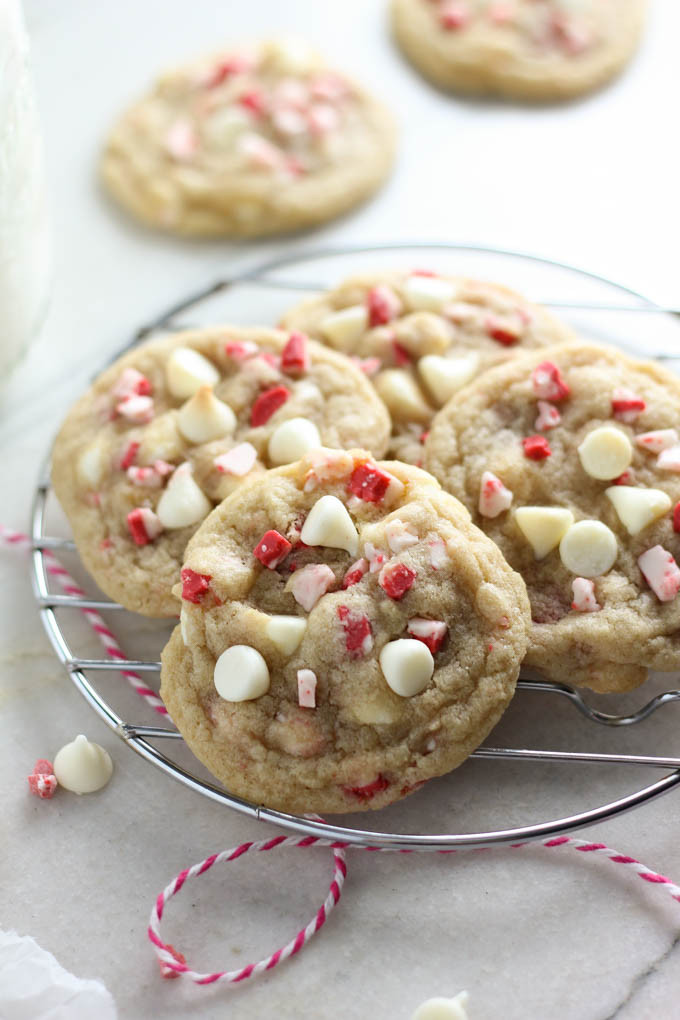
{"points": [[176, 425], [570, 460], [526, 49], [247, 142], [346, 634], [420, 337]]}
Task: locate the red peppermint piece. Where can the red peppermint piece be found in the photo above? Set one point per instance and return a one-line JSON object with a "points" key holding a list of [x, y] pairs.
{"points": [[272, 549], [431, 632], [355, 573], [395, 579], [144, 525], [548, 383], [194, 586], [240, 350], [268, 404], [226, 69], [295, 355], [168, 972], [625, 479], [536, 447], [627, 406], [358, 632], [42, 785], [43, 767], [383, 305], [129, 455], [253, 101], [368, 792], [501, 331], [661, 572], [401, 355], [453, 14], [132, 383], [369, 482]]}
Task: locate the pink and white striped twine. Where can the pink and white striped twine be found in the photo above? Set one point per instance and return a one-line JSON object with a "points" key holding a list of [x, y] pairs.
{"points": [[171, 965]]}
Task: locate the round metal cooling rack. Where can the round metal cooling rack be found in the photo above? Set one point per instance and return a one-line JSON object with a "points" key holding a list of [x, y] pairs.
{"points": [[596, 307]]}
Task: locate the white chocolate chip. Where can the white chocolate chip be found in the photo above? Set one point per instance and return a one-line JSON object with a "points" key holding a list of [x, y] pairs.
{"points": [[655, 442], [241, 674], [292, 440], [407, 666], [342, 329], [445, 376], [494, 497], [638, 508], [238, 461], [183, 502], [443, 1009], [606, 452], [669, 459], [204, 417], [92, 464], [82, 766], [329, 524], [286, 632], [428, 293], [589, 549], [543, 526], [308, 584], [402, 395], [187, 370], [306, 679], [290, 55]]}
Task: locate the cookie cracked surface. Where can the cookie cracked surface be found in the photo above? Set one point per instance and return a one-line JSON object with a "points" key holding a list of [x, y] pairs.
{"points": [[346, 634]]}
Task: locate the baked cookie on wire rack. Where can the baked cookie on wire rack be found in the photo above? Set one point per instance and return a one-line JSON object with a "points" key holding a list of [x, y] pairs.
{"points": [[249, 142], [526, 49], [570, 460], [420, 337], [176, 425], [346, 634]]}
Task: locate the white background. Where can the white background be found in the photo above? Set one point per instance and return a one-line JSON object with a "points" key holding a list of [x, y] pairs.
{"points": [[594, 183]]}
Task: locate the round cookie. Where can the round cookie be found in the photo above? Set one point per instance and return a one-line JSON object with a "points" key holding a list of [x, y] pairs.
{"points": [[526, 49], [176, 425], [346, 634], [569, 459], [247, 143], [421, 337]]}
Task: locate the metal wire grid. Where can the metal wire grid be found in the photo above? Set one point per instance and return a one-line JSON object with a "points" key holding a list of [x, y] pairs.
{"points": [[140, 736]]}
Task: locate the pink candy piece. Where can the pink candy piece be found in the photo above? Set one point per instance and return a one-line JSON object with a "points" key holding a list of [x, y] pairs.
{"points": [[438, 554], [453, 14], [369, 366], [289, 122], [322, 118], [355, 573], [494, 498], [501, 13], [383, 305], [144, 525], [657, 441], [548, 416], [295, 355], [660, 572], [240, 350], [310, 583], [548, 383], [42, 781], [396, 579], [272, 549], [431, 632], [145, 477], [306, 680], [626, 405], [584, 596], [502, 331], [136, 409], [399, 535], [669, 460], [376, 557], [181, 140], [128, 455], [237, 461], [329, 86], [358, 632], [131, 384], [262, 153], [163, 468]]}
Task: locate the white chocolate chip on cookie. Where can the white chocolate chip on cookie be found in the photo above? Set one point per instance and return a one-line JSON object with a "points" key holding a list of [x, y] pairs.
{"points": [[428, 293], [342, 329], [402, 396], [292, 440], [286, 632], [543, 526], [241, 674], [445, 376], [407, 666], [605, 453], [187, 370], [329, 524], [589, 549], [204, 417], [183, 502], [638, 508]]}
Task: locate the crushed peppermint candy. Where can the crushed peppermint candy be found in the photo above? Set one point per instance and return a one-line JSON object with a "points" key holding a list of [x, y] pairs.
{"points": [[272, 549], [295, 355], [536, 447], [655, 442], [584, 596], [399, 535], [383, 305], [494, 497], [669, 459], [369, 482], [367, 792], [660, 572], [548, 416], [454, 14], [396, 579], [431, 632], [42, 782], [626, 405], [129, 454], [181, 140], [676, 517], [310, 583], [355, 573], [502, 331], [548, 383], [145, 477], [306, 681], [144, 525], [240, 350], [268, 404], [358, 632], [438, 554], [131, 383], [237, 461], [376, 557], [369, 366], [136, 409], [401, 356], [195, 586]]}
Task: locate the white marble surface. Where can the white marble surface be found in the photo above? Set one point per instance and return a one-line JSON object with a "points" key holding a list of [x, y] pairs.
{"points": [[530, 933]]}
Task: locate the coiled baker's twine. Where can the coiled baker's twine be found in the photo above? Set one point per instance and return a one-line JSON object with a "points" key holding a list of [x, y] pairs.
{"points": [[171, 964]]}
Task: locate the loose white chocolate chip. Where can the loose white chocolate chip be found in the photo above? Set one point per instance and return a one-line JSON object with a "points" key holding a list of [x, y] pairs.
{"points": [[342, 329], [402, 395], [605, 453], [407, 666], [543, 526], [92, 464], [445, 376], [286, 632], [187, 370], [241, 674], [82, 766], [329, 524], [182, 503], [638, 508], [589, 549], [204, 417], [428, 293], [443, 1009], [292, 440]]}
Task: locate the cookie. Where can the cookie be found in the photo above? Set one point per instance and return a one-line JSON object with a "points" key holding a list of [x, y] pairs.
{"points": [[346, 634], [527, 49], [421, 337], [176, 425], [569, 459], [249, 142]]}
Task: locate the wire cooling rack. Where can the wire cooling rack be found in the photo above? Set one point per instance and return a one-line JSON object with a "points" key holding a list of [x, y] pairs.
{"points": [[597, 308]]}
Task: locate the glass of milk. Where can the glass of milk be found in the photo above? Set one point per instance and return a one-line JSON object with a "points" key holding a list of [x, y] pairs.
{"points": [[24, 249]]}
